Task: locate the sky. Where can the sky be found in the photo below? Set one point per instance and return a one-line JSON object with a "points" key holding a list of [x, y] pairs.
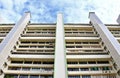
{"points": [[45, 11]]}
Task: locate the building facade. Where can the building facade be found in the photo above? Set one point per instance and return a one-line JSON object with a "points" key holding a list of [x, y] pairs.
{"points": [[59, 50]]}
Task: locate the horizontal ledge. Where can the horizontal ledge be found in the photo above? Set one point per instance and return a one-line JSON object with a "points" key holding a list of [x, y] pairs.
{"points": [[53, 38], [88, 65], [28, 72], [82, 38], [92, 72], [31, 65], [18, 56], [88, 56], [50, 66], [52, 56], [36, 38]]}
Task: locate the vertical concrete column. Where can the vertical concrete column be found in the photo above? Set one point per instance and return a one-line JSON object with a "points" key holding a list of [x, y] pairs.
{"points": [[118, 19], [111, 43], [10, 40], [60, 69]]}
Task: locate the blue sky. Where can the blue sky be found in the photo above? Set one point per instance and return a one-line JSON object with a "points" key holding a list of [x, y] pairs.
{"points": [[45, 11]]}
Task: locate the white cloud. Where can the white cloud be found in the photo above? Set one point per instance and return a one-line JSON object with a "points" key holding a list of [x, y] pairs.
{"points": [[7, 4], [107, 10], [75, 11]]}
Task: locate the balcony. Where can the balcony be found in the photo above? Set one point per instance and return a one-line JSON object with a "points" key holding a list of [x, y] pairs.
{"points": [[87, 65], [22, 56], [38, 35], [80, 35], [92, 72], [41, 72], [36, 38], [82, 38], [88, 57]]}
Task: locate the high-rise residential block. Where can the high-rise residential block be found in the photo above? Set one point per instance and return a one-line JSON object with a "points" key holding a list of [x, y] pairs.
{"points": [[59, 50]]}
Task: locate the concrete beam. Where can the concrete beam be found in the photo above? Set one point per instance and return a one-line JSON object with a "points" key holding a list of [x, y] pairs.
{"points": [[109, 40], [10, 40], [82, 57], [60, 69], [18, 56]]}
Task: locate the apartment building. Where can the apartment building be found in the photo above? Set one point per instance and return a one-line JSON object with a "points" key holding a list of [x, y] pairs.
{"points": [[59, 50]]}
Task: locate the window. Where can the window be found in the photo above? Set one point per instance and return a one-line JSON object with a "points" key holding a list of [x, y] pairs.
{"points": [[78, 46], [25, 42], [46, 69], [86, 76], [89, 32], [41, 42], [75, 32], [72, 62], [103, 62], [70, 46], [11, 76], [36, 62], [44, 76], [85, 42], [93, 42], [84, 69], [26, 68], [23, 76], [105, 68], [82, 62], [108, 76], [77, 42], [34, 42], [69, 42], [74, 29], [94, 68], [49, 46], [48, 62], [14, 68], [36, 69], [28, 62], [91, 62], [73, 69], [19, 62], [73, 76], [34, 76]]}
